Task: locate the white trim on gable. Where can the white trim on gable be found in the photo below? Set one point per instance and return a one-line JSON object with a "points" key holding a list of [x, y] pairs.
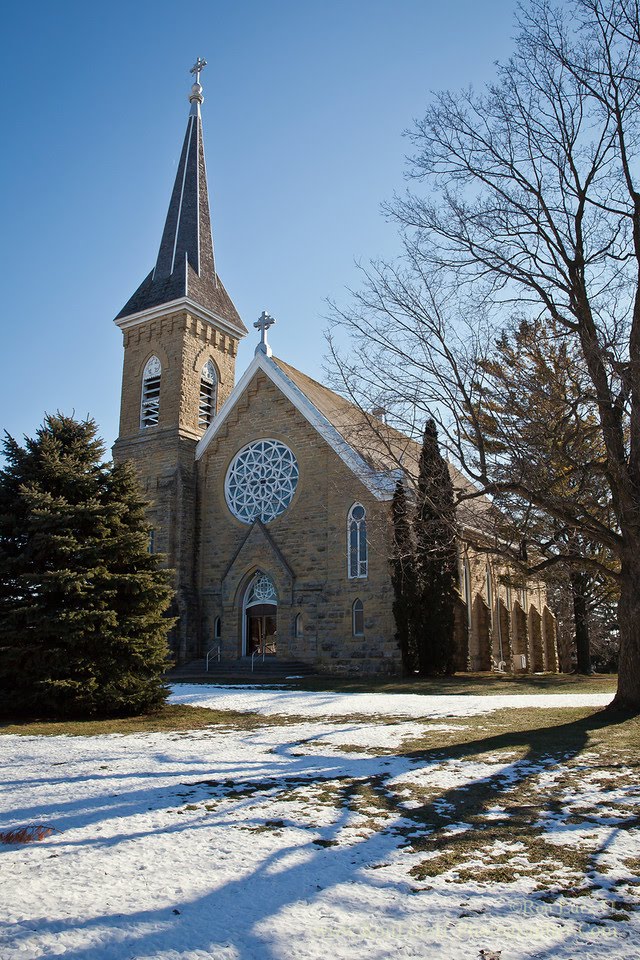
{"points": [[380, 484]]}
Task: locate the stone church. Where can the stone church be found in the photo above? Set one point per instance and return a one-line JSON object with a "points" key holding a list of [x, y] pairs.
{"points": [[269, 496]]}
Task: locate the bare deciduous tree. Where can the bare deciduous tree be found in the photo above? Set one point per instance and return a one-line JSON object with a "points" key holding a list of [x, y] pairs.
{"points": [[526, 206]]}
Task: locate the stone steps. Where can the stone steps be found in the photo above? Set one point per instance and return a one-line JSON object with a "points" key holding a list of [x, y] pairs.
{"points": [[270, 669]]}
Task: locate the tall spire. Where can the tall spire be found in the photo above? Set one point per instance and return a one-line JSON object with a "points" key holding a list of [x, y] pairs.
{"points": [[185, 267]]}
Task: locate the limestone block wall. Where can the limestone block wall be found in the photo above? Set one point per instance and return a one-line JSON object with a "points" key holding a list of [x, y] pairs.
{"points": [[183, 344], [505, 622], [304, 550], [164, 455], [165, 465]]}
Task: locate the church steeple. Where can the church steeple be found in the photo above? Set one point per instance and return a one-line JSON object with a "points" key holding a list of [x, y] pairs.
{"points": [[185, 268]]}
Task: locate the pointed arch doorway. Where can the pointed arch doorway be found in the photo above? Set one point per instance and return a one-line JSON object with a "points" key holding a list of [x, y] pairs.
{"points": [[260, 617]]}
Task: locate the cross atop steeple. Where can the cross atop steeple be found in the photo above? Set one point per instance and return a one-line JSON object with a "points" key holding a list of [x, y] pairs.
{"points": [[264, 321], [195, 97], [198, 67], [185, 267]]}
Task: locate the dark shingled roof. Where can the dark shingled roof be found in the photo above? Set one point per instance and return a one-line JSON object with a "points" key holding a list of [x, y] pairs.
{"points": [[186, 266], [384, 448]]}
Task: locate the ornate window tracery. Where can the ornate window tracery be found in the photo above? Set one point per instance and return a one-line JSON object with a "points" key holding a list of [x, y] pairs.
{"points": [[150, 406], [261, 481], [208, 395], [262, 590], [357, 542]]}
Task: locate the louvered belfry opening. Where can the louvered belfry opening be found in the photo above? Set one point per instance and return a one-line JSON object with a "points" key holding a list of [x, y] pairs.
{"points": [[150, 406], [208, 395]]}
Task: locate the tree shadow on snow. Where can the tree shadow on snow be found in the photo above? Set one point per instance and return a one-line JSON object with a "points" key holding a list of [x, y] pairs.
{"points": [[234, 919]]}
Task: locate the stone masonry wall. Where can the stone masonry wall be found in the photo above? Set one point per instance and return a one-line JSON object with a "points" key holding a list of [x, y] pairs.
{"points": [[183, 344], [304, 550], [164, 455]]}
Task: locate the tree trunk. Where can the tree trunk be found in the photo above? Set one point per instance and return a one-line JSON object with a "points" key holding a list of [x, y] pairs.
{"points": [[628, 694], [581, 623]]}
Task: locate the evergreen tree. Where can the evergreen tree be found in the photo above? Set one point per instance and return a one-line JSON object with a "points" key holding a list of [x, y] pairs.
{"points": [[436, 559], [82, 601], [403, 579]]}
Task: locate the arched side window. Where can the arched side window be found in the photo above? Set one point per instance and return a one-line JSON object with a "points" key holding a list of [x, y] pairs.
{"points": [[298, 626], [217, 628], [467, 591], [357, 618], [490, 593], [152, 541], [150, 406], [208, 395], [357, 541]]}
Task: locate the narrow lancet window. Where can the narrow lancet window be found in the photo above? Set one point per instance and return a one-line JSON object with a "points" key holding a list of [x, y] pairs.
{"points": [[150, 408], [489, 593], [467, 591], [208, 395], [357, 542], [357, 618]]}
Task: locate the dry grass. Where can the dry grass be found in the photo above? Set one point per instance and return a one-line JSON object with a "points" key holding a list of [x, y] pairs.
{"points": [[172, 717], [478, 684], [29, 834]]}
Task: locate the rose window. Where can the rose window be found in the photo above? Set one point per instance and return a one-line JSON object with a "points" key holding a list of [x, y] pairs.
{"points": [[261, 481]]}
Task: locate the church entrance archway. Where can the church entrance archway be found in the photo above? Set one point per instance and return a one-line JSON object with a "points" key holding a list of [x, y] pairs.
{"points": [[260, 617]]}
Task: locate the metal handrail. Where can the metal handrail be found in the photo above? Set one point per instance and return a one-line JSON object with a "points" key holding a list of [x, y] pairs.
{"points": [[217, 652], [257, 652]]}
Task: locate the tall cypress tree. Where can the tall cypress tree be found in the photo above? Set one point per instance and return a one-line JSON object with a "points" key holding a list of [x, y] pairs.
{"points": [[436, 559], [82, 601], [403, 578]]}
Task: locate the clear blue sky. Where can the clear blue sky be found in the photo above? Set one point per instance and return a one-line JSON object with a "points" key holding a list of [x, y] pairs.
{"points": [[305, 105]]}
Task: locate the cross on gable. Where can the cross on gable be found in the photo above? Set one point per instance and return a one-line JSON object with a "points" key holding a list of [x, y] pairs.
{"points": [[264, 321]]}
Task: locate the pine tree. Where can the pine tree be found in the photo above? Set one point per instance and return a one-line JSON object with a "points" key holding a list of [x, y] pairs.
{"points": [[436, 559], [403, 579], [82, 601]]}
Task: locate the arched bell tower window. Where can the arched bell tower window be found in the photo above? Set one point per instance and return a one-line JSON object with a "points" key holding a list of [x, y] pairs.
{"points": [[357, 541], [150, 406], [208, 395], [357, 618]]}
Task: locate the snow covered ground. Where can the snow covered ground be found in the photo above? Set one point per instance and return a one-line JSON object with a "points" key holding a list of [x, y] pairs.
{"points": [[297, 841], [300, 703]]}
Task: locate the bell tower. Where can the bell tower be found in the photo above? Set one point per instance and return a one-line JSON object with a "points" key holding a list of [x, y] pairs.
{"points": [[181, 332]]}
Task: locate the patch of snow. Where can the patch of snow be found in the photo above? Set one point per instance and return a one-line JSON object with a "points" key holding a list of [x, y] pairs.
{"points": [[328, 704], [267, 845]]}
